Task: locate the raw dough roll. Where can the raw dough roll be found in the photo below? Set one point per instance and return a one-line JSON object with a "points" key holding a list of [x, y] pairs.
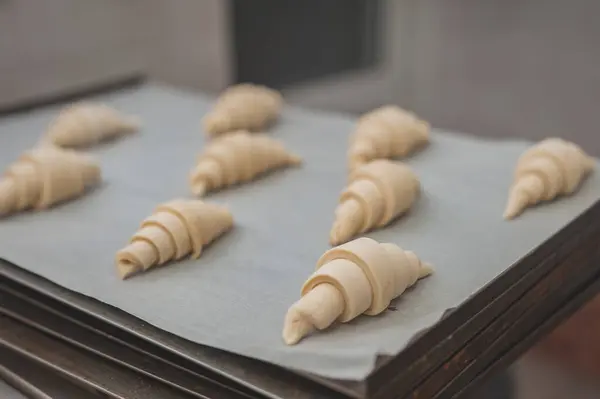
{"points": [[85, 124], [236, 158], [244, 106], [386, 132], [46, 176], [378, 192], [175, 229], [359, 277], [551, 168]]}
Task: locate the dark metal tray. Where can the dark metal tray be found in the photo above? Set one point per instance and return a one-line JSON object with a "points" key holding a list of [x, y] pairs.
{"points": [[501, 321], [26, 377], [33, 357]]}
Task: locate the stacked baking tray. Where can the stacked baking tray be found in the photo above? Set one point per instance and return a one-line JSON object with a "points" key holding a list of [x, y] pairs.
{"points": [[106, 351]]}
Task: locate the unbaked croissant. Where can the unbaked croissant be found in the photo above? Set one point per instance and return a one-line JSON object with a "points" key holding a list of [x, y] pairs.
{"points": [[176, 229], [85, 124], [359, 277], [386, 132], [551, 168], [235, 158], [244, 106], [46, 176], [378, 192]]}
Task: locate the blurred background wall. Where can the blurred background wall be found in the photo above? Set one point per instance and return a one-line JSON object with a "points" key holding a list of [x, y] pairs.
{"points": [[526, 68], [63, 45]]}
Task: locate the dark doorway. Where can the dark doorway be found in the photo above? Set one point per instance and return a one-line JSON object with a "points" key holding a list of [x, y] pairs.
{"points": [[282, 42]]}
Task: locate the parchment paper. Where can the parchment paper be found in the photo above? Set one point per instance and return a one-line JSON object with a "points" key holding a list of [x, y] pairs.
{"points": [[236, 295]]}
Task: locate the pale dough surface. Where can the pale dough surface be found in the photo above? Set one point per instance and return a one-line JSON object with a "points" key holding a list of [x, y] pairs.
{"points": [[378, 192], [43, 177], [84, 124], [386, 132], [282, 227], [238, 157], [549, 169], [359, 277], [175, 229], [243, 106]]}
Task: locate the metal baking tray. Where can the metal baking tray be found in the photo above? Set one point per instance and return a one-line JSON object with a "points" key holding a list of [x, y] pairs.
{"points": [[450, 359], [500, 321]]}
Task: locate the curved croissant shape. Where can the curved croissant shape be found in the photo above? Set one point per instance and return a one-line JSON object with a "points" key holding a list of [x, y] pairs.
{"points": [[175, 229], [85, 124], [236, 158], [551, 168], [244, 106], [386, 132], [46, 176], [378, 193], [361, 276]]}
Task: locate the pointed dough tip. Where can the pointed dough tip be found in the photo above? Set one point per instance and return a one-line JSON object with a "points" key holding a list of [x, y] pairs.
{"points": [[349, 216], [591, 163], [360, 156], [207, 125], [337, 235], [517, 202], [423, 128], [295, 327], [8, 196], [126, 268], [91, 172], [133, 123], [199, 189], [295, 159], [510, 213], [213, 125], [426, 270]]}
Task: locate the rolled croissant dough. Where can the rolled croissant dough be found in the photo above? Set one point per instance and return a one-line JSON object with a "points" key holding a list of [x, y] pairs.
{"points": [[243, 106], [237, 158], [175, 229], [43, 177], [87, 123], [386, 132], [550, 168], [378, 193], [359, 277]]}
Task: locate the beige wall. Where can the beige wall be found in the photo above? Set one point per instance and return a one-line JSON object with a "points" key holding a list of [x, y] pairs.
{"points": [[528, 68], [57, 45], [193, 43], [62, 44]]}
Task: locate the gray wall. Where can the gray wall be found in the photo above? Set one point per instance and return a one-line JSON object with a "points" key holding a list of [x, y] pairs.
{"points": [[509, 67], [528, 68]]}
